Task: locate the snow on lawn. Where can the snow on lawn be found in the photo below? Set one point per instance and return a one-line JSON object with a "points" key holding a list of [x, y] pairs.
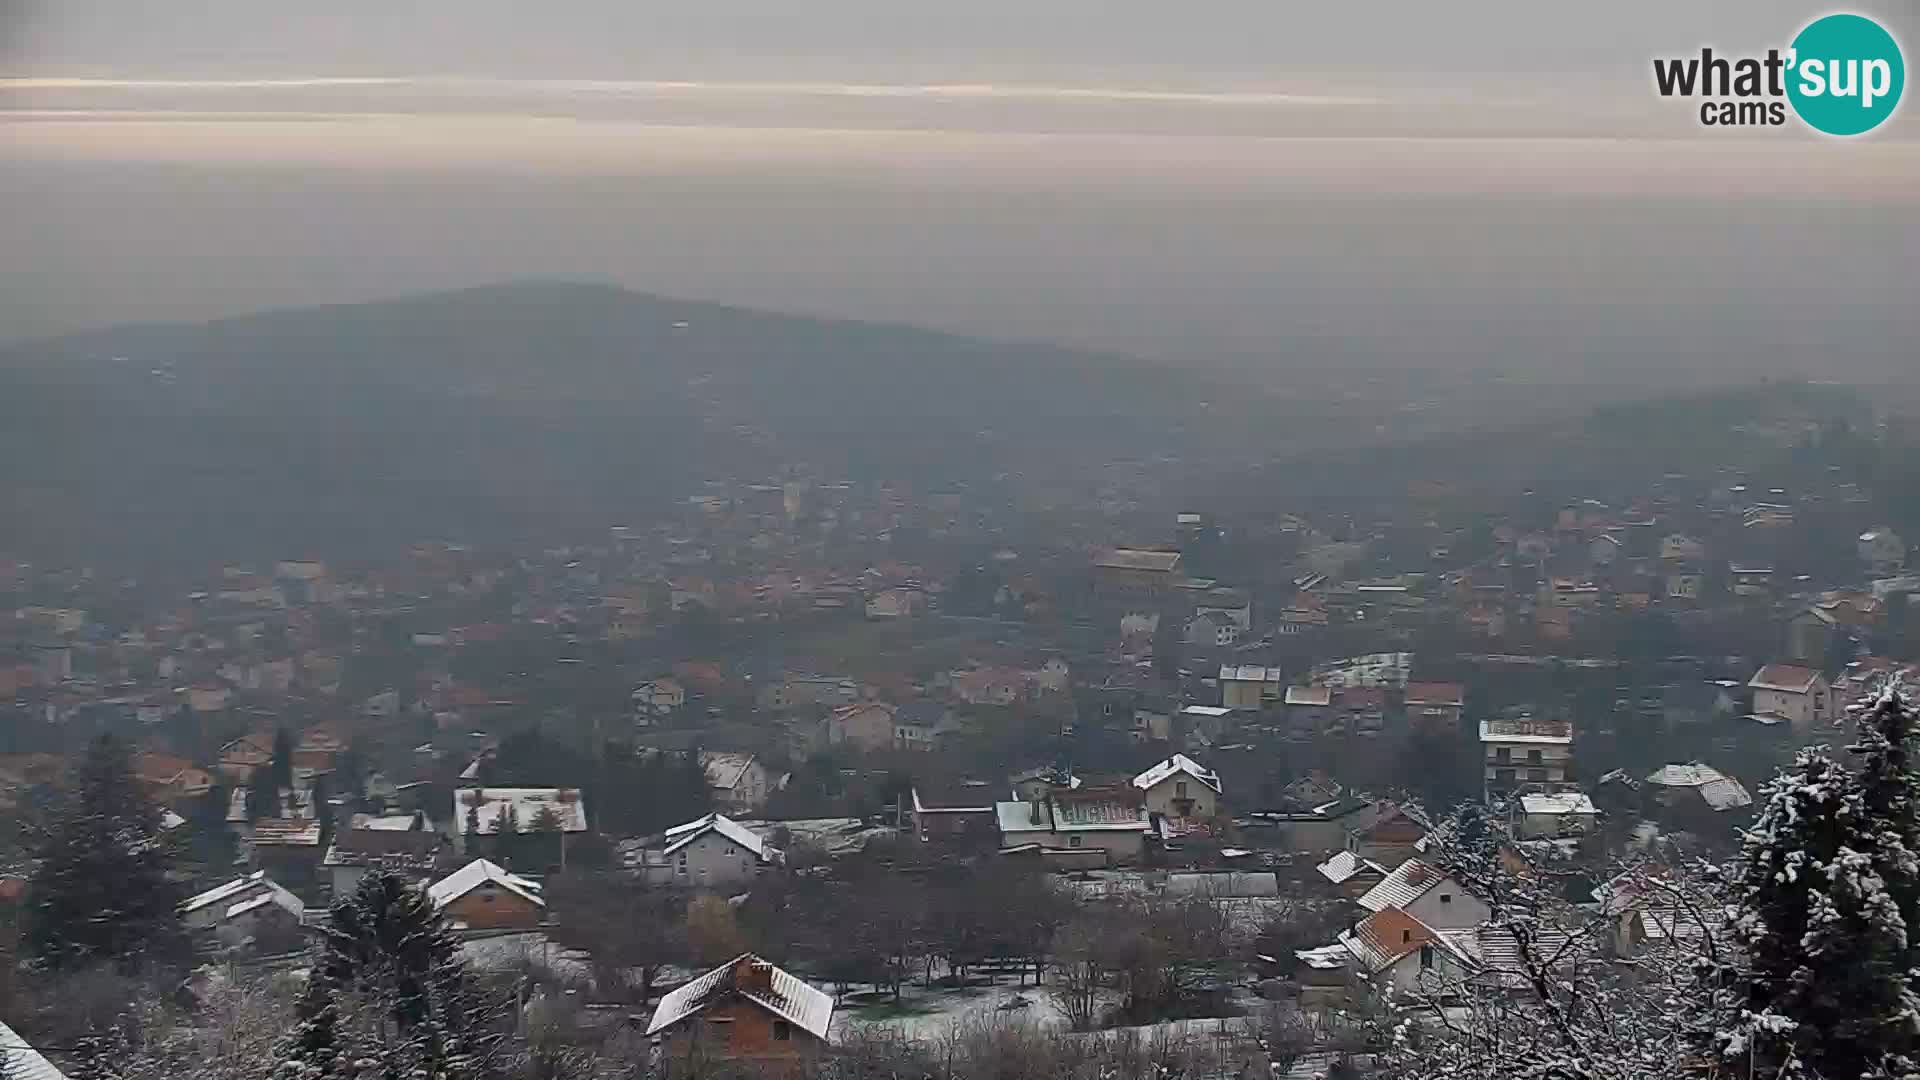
{"points": [[927, 1014]]}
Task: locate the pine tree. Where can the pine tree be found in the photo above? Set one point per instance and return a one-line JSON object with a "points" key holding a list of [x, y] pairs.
{"points": [[280, 772], [387, 940], [101, 892], [311, 1051], [1826, 878]]}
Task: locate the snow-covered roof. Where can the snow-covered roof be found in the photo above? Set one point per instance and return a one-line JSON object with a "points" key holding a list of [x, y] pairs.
{"points": [[283, 898], [1384, 937], [1558, 804], [1541, 732], [23, 1061], [228, 891], [490, 804], [753, 979], [477, 873], [1178, 763], [1308, 696], [1325, 958], [724, 770], [1408, 882], [1721, 792], [1344, 864], [681, 835], [385, 822]]}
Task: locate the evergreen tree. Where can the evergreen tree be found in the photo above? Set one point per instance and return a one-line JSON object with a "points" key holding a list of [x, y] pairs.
{"points": [[101, 892], [387, 940], [1826, 880], [263, 799], [280, 773]]}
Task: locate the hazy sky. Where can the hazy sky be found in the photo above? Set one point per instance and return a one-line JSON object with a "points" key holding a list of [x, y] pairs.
{"points": [[1490, 183]]}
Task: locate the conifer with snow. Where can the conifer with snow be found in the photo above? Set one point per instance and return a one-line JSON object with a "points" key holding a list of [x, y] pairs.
{"points": [[101, 892]]}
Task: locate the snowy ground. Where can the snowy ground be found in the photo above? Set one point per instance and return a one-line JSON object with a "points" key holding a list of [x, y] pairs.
{"points": [[929, 1013]]}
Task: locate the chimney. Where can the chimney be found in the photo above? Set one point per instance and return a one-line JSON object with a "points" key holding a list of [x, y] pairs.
{"points": [[752, 976], [1033, 811]]}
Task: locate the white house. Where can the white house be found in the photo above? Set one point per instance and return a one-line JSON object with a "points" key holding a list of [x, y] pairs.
{"points": [[710, 852], [1428, 894], [1797, 695], [1180, 787], [1563, 813], [1525, 751], [738, 781]]}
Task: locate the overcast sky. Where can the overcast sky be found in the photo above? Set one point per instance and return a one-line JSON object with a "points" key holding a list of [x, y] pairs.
{"points": [[1490, 183]]}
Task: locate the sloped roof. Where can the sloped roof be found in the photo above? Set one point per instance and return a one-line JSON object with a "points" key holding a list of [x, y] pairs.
{"points": [[681, 835], [1786, 678], [1436, 693], [724, 769], [1408, 882], [752, 979], [1721, 792], [477, 873], [1561, 803], [227, 892], [23, 1061], [1310, 695], [1344, 865], [1178, 763], [1387, 935], [1136, 559]]}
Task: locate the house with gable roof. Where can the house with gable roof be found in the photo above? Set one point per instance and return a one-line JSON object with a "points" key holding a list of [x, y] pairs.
{"points": [[1180, 787], [1429, 894], [1400, 955], [482, 895], [709, 852], [747, 1011]]}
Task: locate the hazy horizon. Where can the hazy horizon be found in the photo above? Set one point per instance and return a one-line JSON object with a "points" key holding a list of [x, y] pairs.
{"points": [[1230, 184]]}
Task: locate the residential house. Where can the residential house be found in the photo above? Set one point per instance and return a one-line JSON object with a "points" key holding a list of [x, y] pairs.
{"points": [[1427, 893], [739, 783], [954, 812], [710, 853], [1135, 576], [1385, 832], [1694, 785], [1435, 708], [1564, 813], [867, 724], [1399, 955], [746, 1012], [287, 848], [1352, 875], [413, 853], [239, 758], [1248, 686], [658, 697], [249, 910], [918, 724], [483, 896], [485, 810], [1679, 547], [170, 778], [1810, 635], [989, 686], [1308, 707], [797, 691], [1787, 693], [1180, 787], [1110, 819], [1523, 751], [896, 603]]}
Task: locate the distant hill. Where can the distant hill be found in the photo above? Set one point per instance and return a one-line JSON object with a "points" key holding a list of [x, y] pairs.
{"points": [[508, 409]]}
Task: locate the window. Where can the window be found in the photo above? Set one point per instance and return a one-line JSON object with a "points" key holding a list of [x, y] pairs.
{"points": [[782, 1031], [1179, 789], [1533, 757], [1426, 957], [1446, 898], [1503, 754], [1073, 841], [1537, 776], [1503, 776]]}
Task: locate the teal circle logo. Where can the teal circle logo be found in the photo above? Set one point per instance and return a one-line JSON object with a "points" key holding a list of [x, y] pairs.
{"points": [[1846, 74]]}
